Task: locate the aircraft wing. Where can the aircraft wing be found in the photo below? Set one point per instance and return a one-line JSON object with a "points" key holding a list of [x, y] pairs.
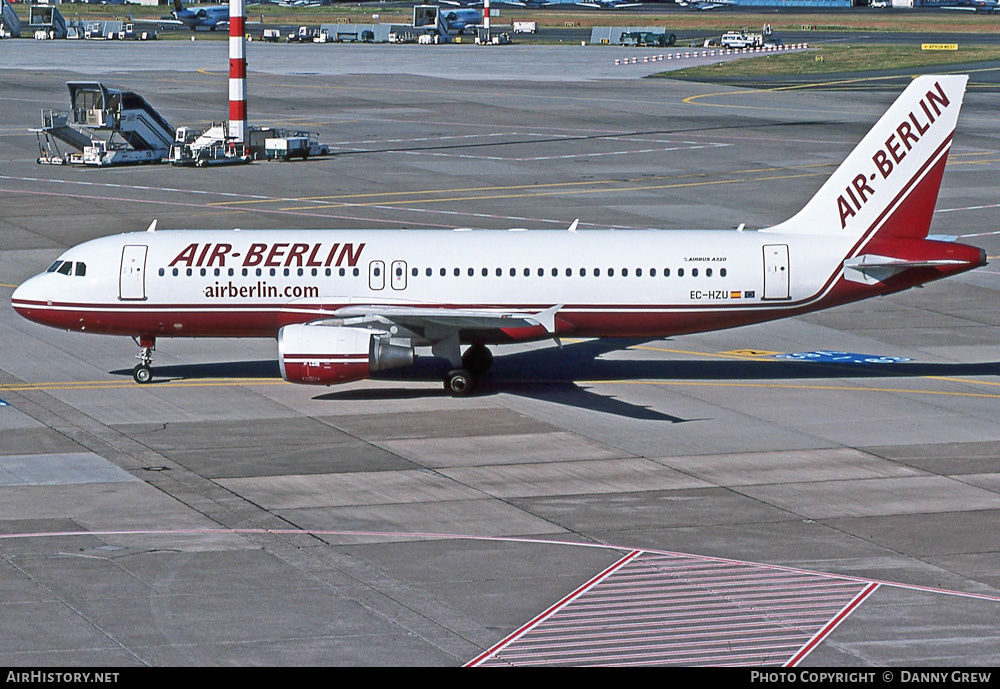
{"points": [[420, 318]]}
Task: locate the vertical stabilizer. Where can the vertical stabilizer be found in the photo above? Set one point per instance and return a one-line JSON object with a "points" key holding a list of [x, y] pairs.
{"points": [[888, 185]]}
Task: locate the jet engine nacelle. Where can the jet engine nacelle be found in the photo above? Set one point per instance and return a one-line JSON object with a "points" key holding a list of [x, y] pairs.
{"points": [[328, 355]]}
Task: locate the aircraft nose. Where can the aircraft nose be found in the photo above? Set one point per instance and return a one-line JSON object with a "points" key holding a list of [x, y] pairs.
{"points": [[30, 297]]}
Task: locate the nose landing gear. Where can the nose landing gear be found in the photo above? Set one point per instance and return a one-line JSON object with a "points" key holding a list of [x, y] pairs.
{"points": [[142, 373]]}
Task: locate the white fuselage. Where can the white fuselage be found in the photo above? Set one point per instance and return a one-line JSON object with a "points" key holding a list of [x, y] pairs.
{"points": [[606, 282]]}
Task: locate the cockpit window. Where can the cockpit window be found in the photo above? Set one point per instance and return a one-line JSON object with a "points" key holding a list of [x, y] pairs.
{"points": [[81, 268], [54, 266], [66, 268]]}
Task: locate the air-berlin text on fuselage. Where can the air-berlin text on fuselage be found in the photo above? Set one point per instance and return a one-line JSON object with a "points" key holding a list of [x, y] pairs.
{"points": [[272, 255], [900, 142]]}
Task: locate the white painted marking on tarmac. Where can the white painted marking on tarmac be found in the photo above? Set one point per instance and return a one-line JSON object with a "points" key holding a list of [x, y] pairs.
{"points": [[596, 154], [971, 208]]}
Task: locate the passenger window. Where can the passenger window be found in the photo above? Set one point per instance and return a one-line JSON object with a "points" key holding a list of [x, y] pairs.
{"points": [[176, 272], [624, 272], [638, 272], [597, 272], [708, 272], [652, 272], [722, 272], [694, 272], [680, 272]]}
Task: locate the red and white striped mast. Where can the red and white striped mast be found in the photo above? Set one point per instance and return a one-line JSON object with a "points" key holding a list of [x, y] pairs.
{"points": [[237, 72], [486, 17]]}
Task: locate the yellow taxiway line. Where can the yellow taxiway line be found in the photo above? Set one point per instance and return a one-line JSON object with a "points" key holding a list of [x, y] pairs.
{"points": [[248, 382]]}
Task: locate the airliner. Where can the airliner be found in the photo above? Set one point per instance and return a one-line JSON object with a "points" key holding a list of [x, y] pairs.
{"points": [[460, 20], [608, 4], [344, 304], [201, 17]]}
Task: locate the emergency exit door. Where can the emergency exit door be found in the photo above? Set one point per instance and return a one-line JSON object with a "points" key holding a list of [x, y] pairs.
{"points": [[132, 282], [776, 271]]}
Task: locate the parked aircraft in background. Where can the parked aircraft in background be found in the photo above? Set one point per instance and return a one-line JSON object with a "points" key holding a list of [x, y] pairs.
{"points": [[458, 21], [707, 4], [982, 6], [608, 4], [343, 304], [531, 4], [208, 17], [461, 3]]}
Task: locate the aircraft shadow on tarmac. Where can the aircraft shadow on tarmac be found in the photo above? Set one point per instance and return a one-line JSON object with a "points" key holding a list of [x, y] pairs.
{"points": [[550, 374]]}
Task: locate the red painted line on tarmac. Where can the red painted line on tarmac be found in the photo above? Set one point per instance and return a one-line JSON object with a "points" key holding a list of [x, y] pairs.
{"points": [[831, 625], [553, 609]]}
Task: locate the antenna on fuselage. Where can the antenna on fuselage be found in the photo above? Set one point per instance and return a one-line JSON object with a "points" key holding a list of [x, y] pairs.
{"points": [[152, 227], [572, 228]]}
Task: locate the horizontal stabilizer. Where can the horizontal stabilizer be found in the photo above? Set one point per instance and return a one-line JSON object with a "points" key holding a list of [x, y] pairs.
{"points": [[870, 269]]}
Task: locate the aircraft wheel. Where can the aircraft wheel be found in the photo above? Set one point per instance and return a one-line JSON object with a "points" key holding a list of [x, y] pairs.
{"points": [[477, 360], [142, 374], [459, 382]]}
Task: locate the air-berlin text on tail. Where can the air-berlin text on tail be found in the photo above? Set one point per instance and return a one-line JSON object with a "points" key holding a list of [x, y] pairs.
{"points": [[900, 142], [273, 255]]}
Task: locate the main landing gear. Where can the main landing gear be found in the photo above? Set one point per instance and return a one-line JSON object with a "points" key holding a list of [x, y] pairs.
{"points": [[475, 363], [142, 373]]}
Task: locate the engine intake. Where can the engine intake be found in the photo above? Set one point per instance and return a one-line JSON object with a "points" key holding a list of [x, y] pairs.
{"points": [[328, 355]]}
